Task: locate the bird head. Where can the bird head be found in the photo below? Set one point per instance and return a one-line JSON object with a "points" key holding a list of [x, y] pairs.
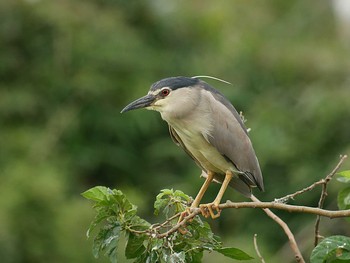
{"points": [[167, 95]]}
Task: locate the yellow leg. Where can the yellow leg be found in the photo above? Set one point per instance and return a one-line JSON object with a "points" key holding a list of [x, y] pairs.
{"points": [[203, 189], [209, 207], [199, 196]]}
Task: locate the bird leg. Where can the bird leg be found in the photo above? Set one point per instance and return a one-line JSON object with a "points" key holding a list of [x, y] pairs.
{"points": [[199, 196], [203, 189], [215, 204]]}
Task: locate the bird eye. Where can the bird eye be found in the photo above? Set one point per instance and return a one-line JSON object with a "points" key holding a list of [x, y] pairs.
{"points": [[165, 92]]}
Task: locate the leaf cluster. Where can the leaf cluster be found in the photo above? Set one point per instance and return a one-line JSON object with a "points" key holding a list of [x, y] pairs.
{"points": [[344, 194], [115, 215], [336, 249]]}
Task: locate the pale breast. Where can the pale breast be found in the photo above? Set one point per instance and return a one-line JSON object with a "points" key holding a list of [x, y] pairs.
{"points": [[206, 154]]}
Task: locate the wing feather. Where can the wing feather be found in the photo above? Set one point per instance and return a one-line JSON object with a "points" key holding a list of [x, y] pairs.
{"points": [[230, 137]]}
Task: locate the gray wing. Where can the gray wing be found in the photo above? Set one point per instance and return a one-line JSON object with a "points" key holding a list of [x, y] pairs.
{"points": [[231, 139]]}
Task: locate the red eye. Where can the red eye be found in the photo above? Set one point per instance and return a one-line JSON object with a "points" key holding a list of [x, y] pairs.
{"points": [[165, 92]]}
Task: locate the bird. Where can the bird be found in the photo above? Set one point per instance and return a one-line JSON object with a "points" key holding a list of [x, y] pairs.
{"points": [[209, 129]]}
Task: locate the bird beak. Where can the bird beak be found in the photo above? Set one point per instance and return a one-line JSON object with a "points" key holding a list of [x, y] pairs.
{"points": [[143, 102]]}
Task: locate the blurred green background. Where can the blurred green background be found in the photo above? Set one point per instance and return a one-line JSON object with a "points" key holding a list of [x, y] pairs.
{"points": [[67, 68]]}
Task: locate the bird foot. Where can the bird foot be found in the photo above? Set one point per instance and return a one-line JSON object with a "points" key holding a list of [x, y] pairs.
{"points": [[185, 213], [208, 210]]}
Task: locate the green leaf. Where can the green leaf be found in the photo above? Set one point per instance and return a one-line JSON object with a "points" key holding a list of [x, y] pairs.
{"points": [[138, 223], [162, 202], [107, 241], [345, 255], [124, 204], [182, 195], [134, 246], [344, 198], [102, 215], [233, 253], [130, 214], [344, 176], [196, 256], [331, 249], [97, 193], [153, 257], [170, 202], [168, 191], [345, 173], [176, 257], [201, 229], [159, 204], [110, 244]]}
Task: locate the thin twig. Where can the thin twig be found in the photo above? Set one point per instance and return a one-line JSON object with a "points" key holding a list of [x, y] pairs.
{"points": [[257, 249], [154, 228], [179, 225], [168, 220], [292, 243], [286, 198], [323, 197]]}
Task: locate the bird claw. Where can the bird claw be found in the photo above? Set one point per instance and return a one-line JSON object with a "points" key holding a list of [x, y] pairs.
{"points": [[208, 210], [185, 213], [183, 231]]}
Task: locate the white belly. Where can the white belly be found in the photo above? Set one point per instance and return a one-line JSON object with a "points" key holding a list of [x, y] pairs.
{"points": [[204, 152]]}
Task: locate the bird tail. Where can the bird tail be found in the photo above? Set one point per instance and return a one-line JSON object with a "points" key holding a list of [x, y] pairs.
{"points": [[241, 186]]}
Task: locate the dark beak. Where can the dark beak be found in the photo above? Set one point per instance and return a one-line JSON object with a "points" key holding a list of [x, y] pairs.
{"points": [[140, 103]]}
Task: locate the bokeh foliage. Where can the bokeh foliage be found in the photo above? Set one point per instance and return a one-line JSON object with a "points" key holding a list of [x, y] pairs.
{"points": [[68, 67]]}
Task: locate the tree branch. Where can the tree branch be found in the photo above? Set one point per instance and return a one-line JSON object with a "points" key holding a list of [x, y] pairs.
{"points": [[311, 187], [323, 196], [292, 243], [262, 205], [286, 207], [257, 249]]}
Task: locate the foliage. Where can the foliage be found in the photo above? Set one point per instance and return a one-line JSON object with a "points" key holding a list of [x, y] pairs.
{"points": [[344, 194], [145, 243], [334, 249], [344, 176]]}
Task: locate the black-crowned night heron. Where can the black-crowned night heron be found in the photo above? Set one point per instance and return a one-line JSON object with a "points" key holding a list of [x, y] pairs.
{"points": [[209, 129]]}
